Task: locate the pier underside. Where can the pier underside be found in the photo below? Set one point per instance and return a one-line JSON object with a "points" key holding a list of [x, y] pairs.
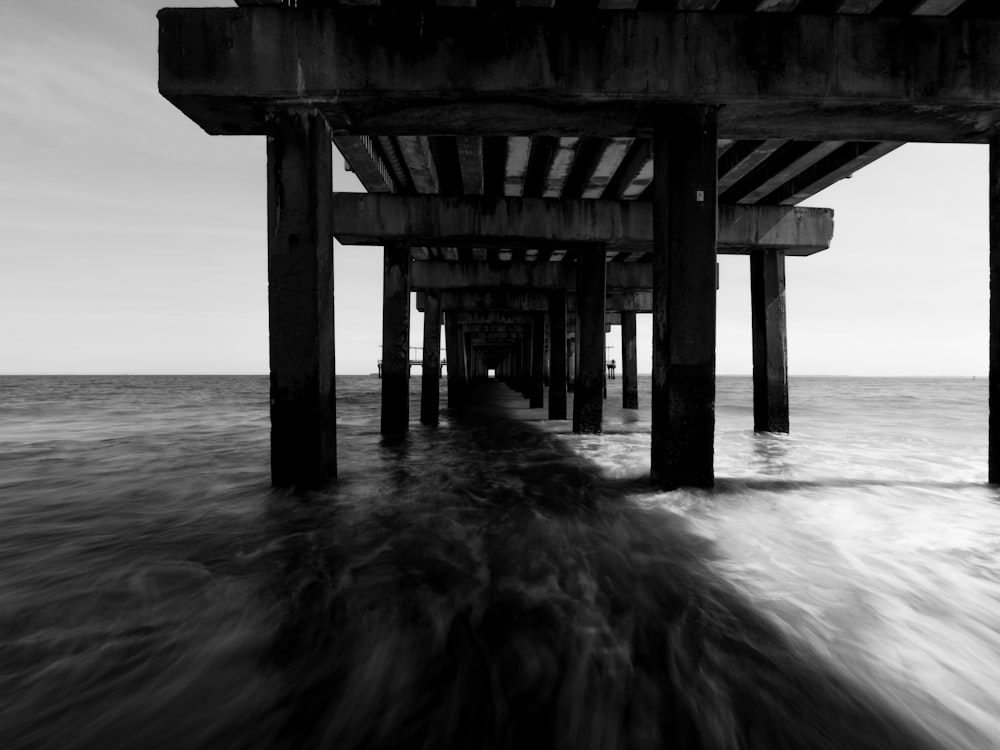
{"points": [[540, 171]]}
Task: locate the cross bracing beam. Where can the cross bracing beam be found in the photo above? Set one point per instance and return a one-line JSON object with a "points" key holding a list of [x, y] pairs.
{"points": [[438, 275], [507, 301], [778, 75], [370, 219]]}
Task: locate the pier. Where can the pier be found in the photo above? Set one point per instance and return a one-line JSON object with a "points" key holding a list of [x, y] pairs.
{"points": [[539, 171]]}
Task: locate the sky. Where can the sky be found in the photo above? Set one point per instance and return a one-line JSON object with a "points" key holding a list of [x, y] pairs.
{"points": [[133, 242]]}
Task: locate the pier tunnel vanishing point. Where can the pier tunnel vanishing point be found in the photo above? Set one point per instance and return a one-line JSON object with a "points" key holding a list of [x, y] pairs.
{"points": [[537, 170]]}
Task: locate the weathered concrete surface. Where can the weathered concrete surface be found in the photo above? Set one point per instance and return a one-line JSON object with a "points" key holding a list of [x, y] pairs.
{"points": [[994, 429], [588, 399], [396, 340], [430, 376], [630, 364], [811, 77], [684, 278], [770, 342], [300, 300], [374, 219]]}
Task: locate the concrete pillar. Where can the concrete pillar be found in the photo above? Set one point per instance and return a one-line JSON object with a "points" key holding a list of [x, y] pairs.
{"points": [[770, 341], [525, 387], [430, 379], [630, 365], [684, 254], [396, 339], [557, 362], [994, 377], [452, 337], [588, 399], [537, 389], [571, 360], [300, 299], [467, 364]]}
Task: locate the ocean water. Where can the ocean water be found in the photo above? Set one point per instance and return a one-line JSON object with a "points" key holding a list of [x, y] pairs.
{"points": [[496, 581]]}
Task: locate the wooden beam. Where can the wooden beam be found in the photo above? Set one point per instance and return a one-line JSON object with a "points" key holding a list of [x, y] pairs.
{"points": [[616, 5], [905, 78], [370, 219], [695, 4]]}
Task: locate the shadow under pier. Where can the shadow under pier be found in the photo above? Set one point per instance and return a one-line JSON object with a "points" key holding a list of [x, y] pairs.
{"points": [[513, 597]]}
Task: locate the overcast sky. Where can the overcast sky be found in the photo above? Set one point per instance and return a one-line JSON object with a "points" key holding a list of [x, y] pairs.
{"points": [[134, 242]]}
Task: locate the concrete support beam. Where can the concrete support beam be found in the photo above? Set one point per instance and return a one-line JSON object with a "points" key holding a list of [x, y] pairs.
{"points": [[910, 78], [684, 266], [442, 275], [359, 152], [743, 159], [856, 6], [470, 163], [396, 340], [588, 399], [430, 378], [300, 299], [994, 201], [780, 177], [374, 219], [770, 342], [512, 302], [557, 356], [776, 6], [630, 366], [537, 390], [936, 7]]}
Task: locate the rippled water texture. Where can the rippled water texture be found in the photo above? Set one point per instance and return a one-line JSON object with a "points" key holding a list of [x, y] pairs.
{"points": [[494, 584]]}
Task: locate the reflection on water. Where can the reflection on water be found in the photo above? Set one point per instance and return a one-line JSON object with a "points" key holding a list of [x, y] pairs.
{"points": [[495, 585]]}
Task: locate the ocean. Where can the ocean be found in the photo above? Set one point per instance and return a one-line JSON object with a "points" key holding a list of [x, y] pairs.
{"points": [[496, 581]]}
